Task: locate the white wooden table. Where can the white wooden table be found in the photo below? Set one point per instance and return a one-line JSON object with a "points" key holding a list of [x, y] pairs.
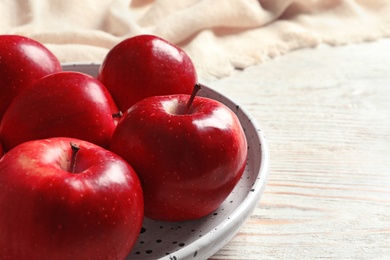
{"points": [[326, 115]]}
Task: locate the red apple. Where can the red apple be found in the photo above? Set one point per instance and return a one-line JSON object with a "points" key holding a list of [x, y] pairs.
{"points": [[63, 198], [22, 61], [68, 104], [188, 160], [144, 66]]}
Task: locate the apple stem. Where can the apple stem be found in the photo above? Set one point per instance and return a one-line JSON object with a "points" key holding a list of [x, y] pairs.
{"points": [[197, 87], [118, 114], [75, 149]]}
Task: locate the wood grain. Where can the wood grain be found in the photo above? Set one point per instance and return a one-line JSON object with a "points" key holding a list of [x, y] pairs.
{"points": [[326, 115]]}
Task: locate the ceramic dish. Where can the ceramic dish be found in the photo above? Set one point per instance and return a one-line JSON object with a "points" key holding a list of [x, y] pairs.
{"points": [[202, 238]]}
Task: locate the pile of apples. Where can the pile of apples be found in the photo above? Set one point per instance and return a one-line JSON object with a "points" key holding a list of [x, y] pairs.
{"points": [[85, 159]]}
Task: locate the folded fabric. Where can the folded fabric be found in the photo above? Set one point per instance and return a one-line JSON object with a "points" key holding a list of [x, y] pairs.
{"points": [[219, 35]]}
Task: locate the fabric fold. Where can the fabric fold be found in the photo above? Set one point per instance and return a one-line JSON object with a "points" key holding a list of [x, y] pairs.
{"points": [[220, 36]]}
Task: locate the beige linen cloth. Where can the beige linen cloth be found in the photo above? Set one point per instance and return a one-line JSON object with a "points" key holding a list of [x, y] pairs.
{"points": [[219, 35]]}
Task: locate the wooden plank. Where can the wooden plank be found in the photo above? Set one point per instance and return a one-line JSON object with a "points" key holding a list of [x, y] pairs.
{"points": [[326, 115]]}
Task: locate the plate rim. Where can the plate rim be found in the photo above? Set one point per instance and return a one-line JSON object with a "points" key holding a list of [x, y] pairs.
{"points": [[235, 221], [231, 225]]}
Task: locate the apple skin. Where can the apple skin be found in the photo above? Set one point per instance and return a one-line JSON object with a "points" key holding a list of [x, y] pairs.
{"points": [[188, 163], [144, 66], [67, 104], [22, 62], [48, 212]]}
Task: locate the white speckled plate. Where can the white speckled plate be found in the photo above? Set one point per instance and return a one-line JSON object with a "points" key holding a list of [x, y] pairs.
{"points": [[202, 238]]}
